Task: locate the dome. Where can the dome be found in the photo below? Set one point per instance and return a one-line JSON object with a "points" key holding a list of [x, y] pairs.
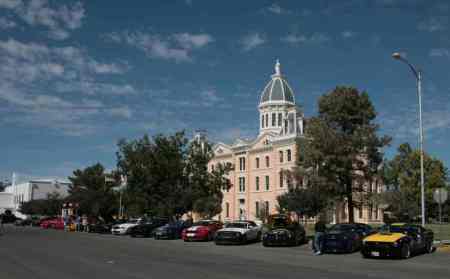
{"points": [[277, 91]]}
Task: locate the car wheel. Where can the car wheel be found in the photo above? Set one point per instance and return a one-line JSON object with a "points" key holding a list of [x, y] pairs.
{"points": [[429, 247], [244, 239], [132, 235], [265, 244], [406, 251], [365, 255]]}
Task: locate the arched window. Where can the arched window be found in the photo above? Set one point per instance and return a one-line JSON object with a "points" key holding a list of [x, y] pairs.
{"points": [[227, 209], [257, 163], [281, 156], [281, 179], [262, 121], [274, 119], [267, 161], [289, 155], [280, 116], [267, 120]]}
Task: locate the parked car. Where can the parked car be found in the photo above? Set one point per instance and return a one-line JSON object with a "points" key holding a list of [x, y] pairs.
{"points": [[172, 230], [146, 229], [53, 223], [398, 240], [37, 222], [238, 232], [124, 228], [282, 231], [345, 237], [203, 230], [23, 222]]}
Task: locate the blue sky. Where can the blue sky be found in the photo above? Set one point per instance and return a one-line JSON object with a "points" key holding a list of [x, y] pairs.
{"points": [[76, 76]]}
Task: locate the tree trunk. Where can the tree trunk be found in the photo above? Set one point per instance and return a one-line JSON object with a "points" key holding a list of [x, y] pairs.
{"points": [[351, 217]]}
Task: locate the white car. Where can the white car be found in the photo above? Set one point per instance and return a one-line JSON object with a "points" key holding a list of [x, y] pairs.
{"points": [[123, 229], [238, 232]]}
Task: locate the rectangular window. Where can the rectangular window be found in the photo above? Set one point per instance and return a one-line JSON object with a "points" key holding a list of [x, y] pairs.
{"points": [[289, 155], [274, 119], [281, 156], [257, 209], [281, 180], [376, 212], [267, 161], [242, 163], [360, 212], [370, 211], [257, 183], [267, 183], [267, 120], [262, 121], [227, 209], [241, 184], [279, 119], [257, 163]]}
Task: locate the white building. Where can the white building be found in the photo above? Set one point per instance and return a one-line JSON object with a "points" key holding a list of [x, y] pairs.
{"points": [[16, 194]]}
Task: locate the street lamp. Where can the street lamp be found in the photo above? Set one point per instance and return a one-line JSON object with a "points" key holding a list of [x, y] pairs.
{"points": [[418, 74]]}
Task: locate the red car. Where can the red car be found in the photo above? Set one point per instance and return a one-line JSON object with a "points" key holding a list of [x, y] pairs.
{"points": [[55, 223], [203, 230]]}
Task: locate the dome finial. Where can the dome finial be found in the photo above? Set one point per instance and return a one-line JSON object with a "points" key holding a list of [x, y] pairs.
{"points": [[277, 68]]}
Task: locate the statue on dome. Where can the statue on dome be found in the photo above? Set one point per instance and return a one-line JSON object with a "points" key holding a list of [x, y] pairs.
{"points": [[277, 68]]}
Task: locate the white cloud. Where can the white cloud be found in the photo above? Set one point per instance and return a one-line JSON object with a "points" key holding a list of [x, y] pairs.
{"points": [[209, 97], [277, 9], [433, 24], [440, 52], [252, 41], [190, 41], [347, 34], [31, 74], [316, 38], [176, 47], [7, 24], [59, 20]]}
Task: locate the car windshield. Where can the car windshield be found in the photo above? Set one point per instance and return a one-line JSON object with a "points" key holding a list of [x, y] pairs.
{"points": [[342, 227], [236, 225], [280, 222], [202, 223], [393, 229]]}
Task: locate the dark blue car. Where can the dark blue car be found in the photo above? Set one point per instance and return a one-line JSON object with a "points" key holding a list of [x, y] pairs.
{"points": [[171, 230], [345, 237]]}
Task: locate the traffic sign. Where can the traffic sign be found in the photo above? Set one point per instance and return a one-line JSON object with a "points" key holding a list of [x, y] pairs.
{"points": [[440, 195]]}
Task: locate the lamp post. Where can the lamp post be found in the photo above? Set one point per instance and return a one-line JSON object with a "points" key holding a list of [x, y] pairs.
{"points": [[418, 74]]}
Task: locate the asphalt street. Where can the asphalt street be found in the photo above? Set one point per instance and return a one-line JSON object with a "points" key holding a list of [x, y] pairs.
{"points": [[28, 253]]}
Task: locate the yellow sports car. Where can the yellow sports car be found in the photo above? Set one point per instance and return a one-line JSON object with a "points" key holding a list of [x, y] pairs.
{"points": [[398, 240]]}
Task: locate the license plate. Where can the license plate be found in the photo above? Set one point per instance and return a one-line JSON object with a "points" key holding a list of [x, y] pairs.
{"points": [[190, 234], [375, 253]]}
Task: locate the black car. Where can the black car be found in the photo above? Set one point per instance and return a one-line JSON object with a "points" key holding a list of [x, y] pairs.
{"points": [[171, 230], [398, 240], [101, 227], [23, 222], [147, 229], [345, 237], [283, 232]]}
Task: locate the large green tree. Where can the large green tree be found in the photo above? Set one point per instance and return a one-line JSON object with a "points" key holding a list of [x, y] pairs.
{"points": [[341, 150], [51, 206], [402, 176], [167, 175], [93, 192], [307, 202], [206, 188], [155, 170]]}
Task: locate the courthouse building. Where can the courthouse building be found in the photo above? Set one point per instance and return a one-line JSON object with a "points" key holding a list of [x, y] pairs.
{"points": [[257, 174]]}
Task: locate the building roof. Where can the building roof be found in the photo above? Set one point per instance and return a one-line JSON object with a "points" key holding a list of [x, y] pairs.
{"points": [[277, 91]]}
